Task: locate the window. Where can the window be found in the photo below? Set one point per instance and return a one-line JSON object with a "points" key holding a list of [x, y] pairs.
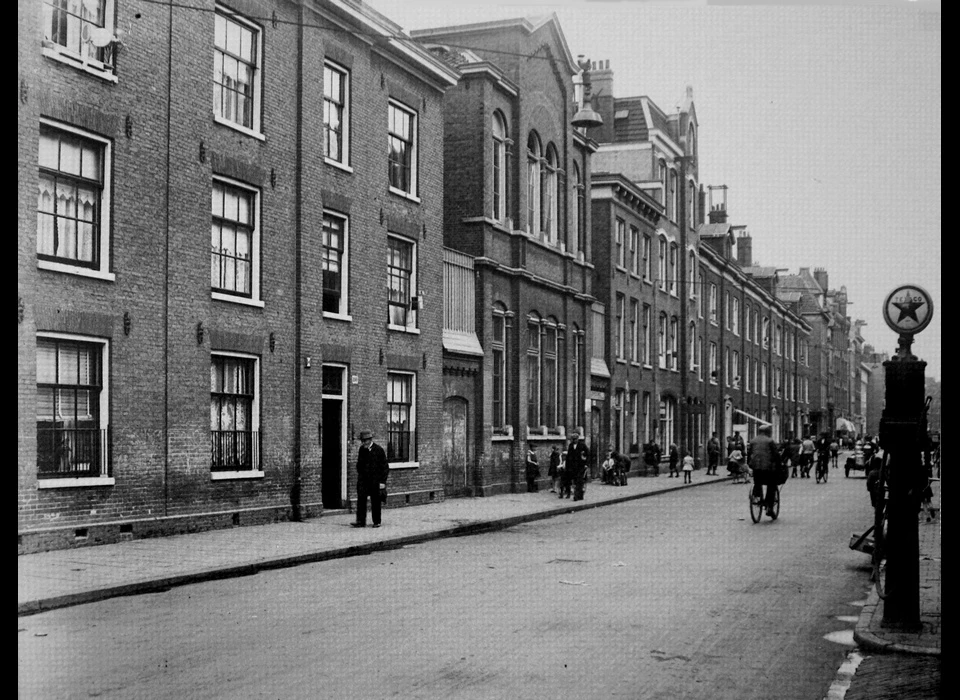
{"points": [[747, 325], [728, 372], [633, 438], [579, 209], [763, 378], [692, 345], [736, 369], [672, 281], [335, 265], [729, 317], [766, 333], [700, 357], [618, 419], [714, 370], [647, 330], [533, 184], [735, 319], [713, 303], [700, 295], [401, 417], [662, 272], [756, 325], [692, 204], [579, 338], [777, 383], [619, 235], [662, 336], [634, 330], [336, 113], [402, 305], [499, 168], [674, 343], [692, 275], [673, 195], [72, 408], [669, 422], [747, 374], [72, 201], [500, 376], [236, 71], [619, 337], [662, 174], [402, 149], [550, 215], [647, 417], [234, 242], [80, 32], [778, 340], [635, 250], [542, 379], [234, 413], [646, 257]]}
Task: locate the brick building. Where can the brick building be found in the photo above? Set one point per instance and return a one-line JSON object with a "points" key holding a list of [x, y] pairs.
{"points": [[170, 381], [516, 222]]}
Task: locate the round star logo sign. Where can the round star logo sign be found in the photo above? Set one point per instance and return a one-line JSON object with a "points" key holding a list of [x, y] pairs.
{"points": [[908, 309]]}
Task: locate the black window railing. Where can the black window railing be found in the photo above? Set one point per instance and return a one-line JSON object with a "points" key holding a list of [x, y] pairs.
{"points": [[234, 450], [73, 453]]}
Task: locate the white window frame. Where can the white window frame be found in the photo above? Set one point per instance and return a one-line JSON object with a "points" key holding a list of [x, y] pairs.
{"points": [[342, 103], [343, 313], [735, 320], [498, 170], [101, 67], [647, 252], [413, 314], [413, 142], [672, 281], [254, 298], [620, 229], [647, 335], [714, 369], [257, 472], [550, 195], [410, 463], [534, 184], [255, 128], [621, 326], [102, 270], [103, 407]]}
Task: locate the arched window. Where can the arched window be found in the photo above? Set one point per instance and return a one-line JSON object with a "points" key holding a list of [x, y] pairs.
{"points": [[550, 196], [501, 378], [534, 194], [578, 208], [499, 167]]}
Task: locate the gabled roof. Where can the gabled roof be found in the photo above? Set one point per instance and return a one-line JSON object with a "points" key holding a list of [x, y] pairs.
{"points": [[714, 230]]}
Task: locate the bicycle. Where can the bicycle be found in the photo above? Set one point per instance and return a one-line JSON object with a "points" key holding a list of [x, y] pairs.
{"points": [[823, 469], [757, 507]]}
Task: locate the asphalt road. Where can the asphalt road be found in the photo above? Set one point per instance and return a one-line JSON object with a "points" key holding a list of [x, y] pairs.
{"points": [[675, 596]]}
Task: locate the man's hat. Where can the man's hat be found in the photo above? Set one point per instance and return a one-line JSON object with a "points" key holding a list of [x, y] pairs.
{"points": [[366, 435]]}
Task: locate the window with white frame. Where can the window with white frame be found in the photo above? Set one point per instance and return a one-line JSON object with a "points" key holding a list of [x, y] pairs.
{"points": [[756, 325], [550, 190], [674, 343], [234, 413], [728, 373], [236, 70], [534, 184], [765, 332], [646, 257], [778, 340], [619, 408], [714, 373], [72, 407], [662, 271], [634, 330], [73, 201], [402, 149], [401, 417], [335, 263], [747, 325], [336, 113], [691, 275], [662, 335], [234, 241], [633, 440], [713, 304], [748, 374], [619, 340], [700, 358], [501, 379], [736, 369], [647, 400], [542, 378], [712, 418], [499, 167], [80, 32], [673, 195], [402, 303], [778, 383], [673, 282], [692, 346], [763, 378], [618, 242], [729, 311], [662, 176], [647, 331], [735, 320], [700, 295], [634, 250]]}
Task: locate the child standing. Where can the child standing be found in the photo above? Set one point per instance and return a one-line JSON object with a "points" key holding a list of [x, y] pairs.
{"points": [[687, 467]]}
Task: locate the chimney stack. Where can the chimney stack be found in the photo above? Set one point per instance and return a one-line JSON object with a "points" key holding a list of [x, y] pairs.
{"points": [[718, 204], [820, 275], [745, 250]]}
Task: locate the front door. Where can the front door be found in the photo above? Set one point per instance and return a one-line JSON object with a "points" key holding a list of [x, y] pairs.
{"points": [[454, 446], [333, 473]]}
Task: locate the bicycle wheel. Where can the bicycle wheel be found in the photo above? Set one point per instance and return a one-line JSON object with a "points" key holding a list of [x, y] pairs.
{"points": [[756, 506], [775, 513]]}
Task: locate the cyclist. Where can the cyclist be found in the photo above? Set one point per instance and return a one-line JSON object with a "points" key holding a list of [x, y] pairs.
{"points": [[764, 461]]}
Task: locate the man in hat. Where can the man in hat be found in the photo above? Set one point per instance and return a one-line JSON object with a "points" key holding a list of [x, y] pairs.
{"points": [[578, 461], [372, 472]]}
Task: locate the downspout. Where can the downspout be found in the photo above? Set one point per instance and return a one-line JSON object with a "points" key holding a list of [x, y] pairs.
{"points": [[166, 276], [295, 491]]}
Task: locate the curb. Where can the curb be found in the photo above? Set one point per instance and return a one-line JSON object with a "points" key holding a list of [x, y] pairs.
{"points": [[160, 585], [868, 641]]}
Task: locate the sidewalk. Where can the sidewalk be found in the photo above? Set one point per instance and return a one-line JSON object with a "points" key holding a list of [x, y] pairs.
{"points": [[50, 580]]}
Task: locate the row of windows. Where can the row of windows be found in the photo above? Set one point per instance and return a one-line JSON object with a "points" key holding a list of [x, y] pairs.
{"points": [[72, 31], [73, 426], [73, 206]]}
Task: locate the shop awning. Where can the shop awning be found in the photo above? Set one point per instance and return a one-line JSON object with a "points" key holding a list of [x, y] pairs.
{"points": [[761, 421], [844, 424]]}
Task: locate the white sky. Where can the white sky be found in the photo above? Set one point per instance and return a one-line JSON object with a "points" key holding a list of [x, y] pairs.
{"points": [[822, 119]]}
